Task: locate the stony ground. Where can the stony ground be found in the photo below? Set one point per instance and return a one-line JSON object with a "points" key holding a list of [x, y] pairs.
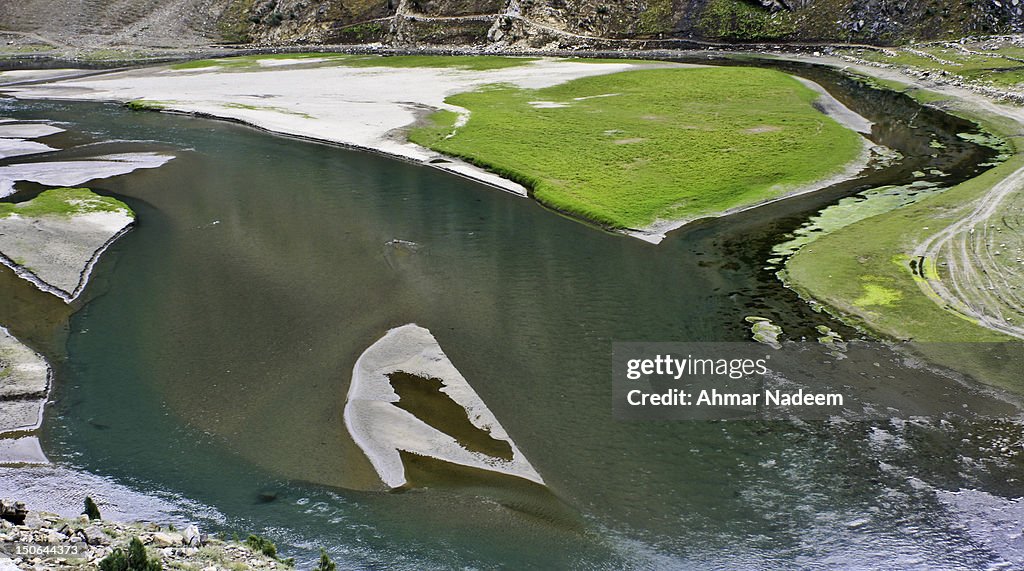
{"points": [[93, 540]]}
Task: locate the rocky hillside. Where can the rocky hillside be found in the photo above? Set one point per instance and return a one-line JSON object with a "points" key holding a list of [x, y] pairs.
{"points": [[91, 23], [533, 23], [573, 23]]}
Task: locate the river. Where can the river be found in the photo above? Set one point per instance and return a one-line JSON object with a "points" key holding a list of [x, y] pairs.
{"points": [[210, 355]]}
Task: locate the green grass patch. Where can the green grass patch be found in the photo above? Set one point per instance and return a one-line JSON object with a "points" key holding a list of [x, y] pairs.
{"points": [[876, 294], [836, 267], [436, 128], [145, 105], [629, 148], [610, 60], [64, 202], [251, 62], [862, 274], [25, 48]]}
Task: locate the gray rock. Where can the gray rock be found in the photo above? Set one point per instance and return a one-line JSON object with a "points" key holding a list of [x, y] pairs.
{"points": [[191, 536], [167, 539], [93, 535]]}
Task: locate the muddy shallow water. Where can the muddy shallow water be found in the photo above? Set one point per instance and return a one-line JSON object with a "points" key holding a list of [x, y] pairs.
{"points": [[210, 357]]}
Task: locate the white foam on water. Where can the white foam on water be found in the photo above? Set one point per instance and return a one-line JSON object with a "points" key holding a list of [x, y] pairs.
{"points": [[990, 520]]}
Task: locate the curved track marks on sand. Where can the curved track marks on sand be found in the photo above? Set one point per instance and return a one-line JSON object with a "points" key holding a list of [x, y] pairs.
{"points": [[979, 260]]}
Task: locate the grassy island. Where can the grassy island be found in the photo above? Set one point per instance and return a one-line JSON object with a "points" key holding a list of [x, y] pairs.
{"points": [[629, 149], [64, 202]]}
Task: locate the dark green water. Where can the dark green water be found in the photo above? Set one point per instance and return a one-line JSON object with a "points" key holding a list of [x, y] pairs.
{"points": [[211, 356]]}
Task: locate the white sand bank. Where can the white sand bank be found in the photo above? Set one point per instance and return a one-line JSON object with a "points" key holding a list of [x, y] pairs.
{"points": [[24, 385], [73, 173], [28, 130], [57, 253], [382, 429], [371, 107], [362, 107], [22, 75], [18, 451], [19, 147], [835, 109]]}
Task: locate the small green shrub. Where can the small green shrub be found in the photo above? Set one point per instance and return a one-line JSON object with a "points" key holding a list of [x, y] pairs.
{"points": [[116, 561], [365, 31], [325, 562], [657, 18], [738, 20], [262, 544], [143, 105], [135, 560]]}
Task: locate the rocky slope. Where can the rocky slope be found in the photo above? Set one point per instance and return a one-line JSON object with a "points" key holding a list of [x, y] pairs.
{"points": [[527, 23], [47, 542], [544, 22], [92, 23]]}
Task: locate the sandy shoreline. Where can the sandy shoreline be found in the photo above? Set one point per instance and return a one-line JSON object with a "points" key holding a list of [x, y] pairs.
{"points": [[364, 108], [359, 108], [24, 390]]}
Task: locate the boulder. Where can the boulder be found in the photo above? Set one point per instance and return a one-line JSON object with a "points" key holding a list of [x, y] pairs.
{"points": [[191, 536], [167, 539], [93, 535]]}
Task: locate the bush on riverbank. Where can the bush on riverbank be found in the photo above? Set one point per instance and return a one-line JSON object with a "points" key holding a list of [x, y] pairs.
{"points": [[135, 560]]}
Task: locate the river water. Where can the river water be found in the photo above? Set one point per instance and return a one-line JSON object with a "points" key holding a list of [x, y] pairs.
{"points": [[210, 355]]}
